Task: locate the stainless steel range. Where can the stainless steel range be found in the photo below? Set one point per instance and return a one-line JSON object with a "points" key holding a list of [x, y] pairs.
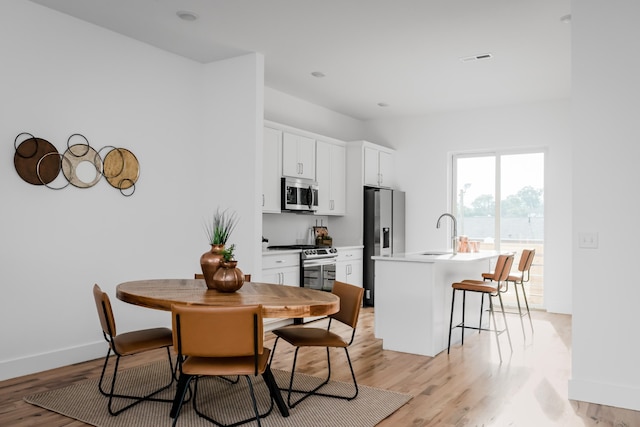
{"points": [[318, 268], [317, 265]]}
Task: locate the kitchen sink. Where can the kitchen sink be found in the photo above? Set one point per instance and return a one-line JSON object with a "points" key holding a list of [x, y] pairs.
{"points": [[434, 253]]}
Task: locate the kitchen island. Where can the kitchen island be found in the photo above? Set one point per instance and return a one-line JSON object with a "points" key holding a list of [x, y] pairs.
{"points": [[413, 298]]}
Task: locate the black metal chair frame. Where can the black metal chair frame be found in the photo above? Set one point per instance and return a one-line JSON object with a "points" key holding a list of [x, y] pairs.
{"points": [[307, 393], [110, 393], [184, 382]]}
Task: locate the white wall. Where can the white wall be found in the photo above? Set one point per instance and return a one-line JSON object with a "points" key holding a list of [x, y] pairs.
{"points": [[61, 76], [424, 145], [605, 176], [289, 110]]}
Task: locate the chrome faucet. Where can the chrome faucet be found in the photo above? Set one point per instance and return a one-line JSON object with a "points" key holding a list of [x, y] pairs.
{"points": [[454, 237]]}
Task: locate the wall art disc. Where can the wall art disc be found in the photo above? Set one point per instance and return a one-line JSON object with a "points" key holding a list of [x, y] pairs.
{"points": [[82, 166], [26, 159], [121, 168]]}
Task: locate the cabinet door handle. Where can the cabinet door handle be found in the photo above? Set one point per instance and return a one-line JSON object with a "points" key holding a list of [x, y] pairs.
{"points": [[301, 168], [263, 200], [380, 178]]}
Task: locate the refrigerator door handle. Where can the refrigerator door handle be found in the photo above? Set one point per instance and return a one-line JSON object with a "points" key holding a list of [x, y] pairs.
{"points": [[385, 237]]}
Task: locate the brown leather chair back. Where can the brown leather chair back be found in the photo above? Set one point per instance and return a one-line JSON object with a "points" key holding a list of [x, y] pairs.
{"points": [[526, 261], [350, 302], [105, 313], [217, 331], [503, 267]]}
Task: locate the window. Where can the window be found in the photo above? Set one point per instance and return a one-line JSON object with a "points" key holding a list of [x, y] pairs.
{"points": [[517, 221]]}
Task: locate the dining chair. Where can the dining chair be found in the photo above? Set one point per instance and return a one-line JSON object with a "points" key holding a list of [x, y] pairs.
{"points": [[493, 288], [300, 336], [220, 341], [127, 344]]}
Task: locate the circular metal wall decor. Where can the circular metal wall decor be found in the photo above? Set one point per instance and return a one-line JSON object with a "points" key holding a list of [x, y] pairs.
{"points": [[28, 156], [121, 168], [77, 158], [38, 162]]}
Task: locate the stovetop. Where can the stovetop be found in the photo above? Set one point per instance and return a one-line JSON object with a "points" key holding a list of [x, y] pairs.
{"points": [[283, 247], [310, 251]]}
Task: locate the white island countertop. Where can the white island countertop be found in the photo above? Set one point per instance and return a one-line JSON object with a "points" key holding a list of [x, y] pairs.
{"points": [[437, 256]]}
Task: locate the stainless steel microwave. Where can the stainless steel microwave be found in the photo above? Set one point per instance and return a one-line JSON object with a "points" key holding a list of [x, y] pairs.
{"points": [[299, 195]]}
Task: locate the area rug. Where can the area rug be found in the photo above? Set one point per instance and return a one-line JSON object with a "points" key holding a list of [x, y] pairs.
{"points": [[224, 401]]}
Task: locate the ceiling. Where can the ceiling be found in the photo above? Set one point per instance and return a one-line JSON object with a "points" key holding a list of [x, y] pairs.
{"points": [[405, 54]]}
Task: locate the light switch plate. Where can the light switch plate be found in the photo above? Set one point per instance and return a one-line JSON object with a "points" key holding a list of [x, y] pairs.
{"points": [[588, 240]]}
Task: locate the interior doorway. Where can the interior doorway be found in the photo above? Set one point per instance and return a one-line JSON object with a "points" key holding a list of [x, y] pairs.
{"points": [[516, 180]]}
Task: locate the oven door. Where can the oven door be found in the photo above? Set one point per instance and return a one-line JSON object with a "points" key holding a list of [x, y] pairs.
{"points": [[319, 274]]}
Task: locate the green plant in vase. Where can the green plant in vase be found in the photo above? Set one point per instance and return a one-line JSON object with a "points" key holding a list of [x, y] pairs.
{"points": [[218, 231], [227, 254], [221, 226]]}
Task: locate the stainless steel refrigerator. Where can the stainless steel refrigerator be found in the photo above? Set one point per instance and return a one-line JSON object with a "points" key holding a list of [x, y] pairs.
{"points": [[383, 232]]}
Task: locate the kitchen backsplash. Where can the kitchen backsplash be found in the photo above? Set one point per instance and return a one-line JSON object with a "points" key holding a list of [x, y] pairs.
{"points": [[290, 228]]}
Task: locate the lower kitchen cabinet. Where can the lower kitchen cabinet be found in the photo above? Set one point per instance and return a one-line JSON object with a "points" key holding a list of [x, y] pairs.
{"points": [[281, 269], [349, 266]]}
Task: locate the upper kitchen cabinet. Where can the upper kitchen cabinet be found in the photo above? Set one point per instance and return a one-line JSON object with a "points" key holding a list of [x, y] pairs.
{"points": [[298, 156], [331, 177], [378, 166], [271, 170]]}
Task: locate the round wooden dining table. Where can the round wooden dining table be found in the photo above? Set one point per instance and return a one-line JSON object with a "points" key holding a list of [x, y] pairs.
{"points": [[278, 301]]}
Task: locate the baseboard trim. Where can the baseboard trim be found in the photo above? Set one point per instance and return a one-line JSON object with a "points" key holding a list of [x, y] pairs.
{"points": [[51, 360], [605, 394]]}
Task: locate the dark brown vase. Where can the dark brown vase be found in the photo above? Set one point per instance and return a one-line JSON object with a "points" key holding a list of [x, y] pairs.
{"points": [[210, 262], [228, 278]]}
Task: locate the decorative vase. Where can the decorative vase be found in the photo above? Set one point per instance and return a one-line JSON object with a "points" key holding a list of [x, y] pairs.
{"points": [[228, 278], [210, 262]]}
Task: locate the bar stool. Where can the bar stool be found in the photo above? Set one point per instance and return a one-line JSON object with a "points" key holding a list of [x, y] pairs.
{"points": [[524, 267], [493, 288]]}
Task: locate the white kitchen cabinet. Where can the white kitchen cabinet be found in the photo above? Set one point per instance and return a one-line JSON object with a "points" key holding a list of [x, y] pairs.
{"points": [[331, 177], [349, 266], [378, 167], [298, 156], [281, 268], [271, 170]]}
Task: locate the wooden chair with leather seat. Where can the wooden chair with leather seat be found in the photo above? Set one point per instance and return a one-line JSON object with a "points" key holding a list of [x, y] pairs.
{"points": [[300, 336], [220, 341], [492, 288], [126, 344]]}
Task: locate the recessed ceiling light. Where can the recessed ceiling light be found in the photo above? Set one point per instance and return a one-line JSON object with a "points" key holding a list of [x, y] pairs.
{"points": [[318, 74], [565, 19], [382, 104], [186, 15]]}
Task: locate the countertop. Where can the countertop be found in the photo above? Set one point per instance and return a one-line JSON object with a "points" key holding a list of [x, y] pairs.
{"points": [[437, 256]]}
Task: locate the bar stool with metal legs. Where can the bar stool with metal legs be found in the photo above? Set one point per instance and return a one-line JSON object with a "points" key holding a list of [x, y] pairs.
{"points": [[492, 288], [524, 267]]}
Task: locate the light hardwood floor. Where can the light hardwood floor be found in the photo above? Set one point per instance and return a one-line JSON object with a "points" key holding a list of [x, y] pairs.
{"points": [[469, 387]]}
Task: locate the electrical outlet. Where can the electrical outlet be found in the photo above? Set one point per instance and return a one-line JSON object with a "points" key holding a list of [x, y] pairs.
{"points": [[588, 240]]}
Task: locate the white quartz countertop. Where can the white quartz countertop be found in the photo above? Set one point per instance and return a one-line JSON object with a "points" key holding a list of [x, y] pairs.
{"points": [[437, 256]]}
